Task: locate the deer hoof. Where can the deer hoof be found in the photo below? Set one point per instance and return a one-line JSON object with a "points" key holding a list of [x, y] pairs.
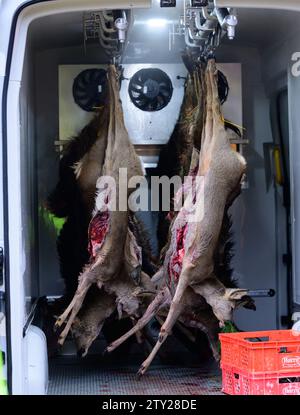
{"points": [[61, 341], [108, 349], [141, 372], [58, 323]]}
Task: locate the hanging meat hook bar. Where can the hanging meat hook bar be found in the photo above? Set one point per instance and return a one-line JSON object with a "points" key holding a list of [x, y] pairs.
{"points": [[203, 25], [109, 28]]}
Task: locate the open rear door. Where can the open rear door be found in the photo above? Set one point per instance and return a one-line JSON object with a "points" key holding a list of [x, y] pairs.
{"points": [[6, 15], [3, 337]]}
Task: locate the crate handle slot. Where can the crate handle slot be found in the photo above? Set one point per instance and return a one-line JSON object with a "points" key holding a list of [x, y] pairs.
{"points": [[288, 349], [257, 339], [289, 380]]}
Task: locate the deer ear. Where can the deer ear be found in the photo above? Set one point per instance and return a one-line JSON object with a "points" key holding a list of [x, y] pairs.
{"points": [[235, 293]]}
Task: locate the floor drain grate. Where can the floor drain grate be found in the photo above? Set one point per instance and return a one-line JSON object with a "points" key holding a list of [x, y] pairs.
{"points": [[78, 377]]}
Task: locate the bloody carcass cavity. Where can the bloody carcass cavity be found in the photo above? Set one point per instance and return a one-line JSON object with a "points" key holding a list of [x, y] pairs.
{"points": [[98, 230]]}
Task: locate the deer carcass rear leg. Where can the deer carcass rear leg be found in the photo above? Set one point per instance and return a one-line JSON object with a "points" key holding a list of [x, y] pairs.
{"points": [[162, 298], [175, 310]]}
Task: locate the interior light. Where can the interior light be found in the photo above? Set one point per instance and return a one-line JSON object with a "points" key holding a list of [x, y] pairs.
{"points": [[157, 22]]}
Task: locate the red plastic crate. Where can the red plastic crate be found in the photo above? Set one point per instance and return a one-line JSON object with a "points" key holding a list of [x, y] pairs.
{"points": [[261, 351], [235, 382]]}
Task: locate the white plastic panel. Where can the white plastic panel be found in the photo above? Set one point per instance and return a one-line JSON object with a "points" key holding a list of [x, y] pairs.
{"points": [[152, 127], [37, 361]]}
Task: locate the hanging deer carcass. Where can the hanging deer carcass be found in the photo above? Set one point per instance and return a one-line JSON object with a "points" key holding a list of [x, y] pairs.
{"points": [[110, 236]]}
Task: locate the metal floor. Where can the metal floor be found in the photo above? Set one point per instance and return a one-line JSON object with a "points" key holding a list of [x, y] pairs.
{"points": [[74, 376]]}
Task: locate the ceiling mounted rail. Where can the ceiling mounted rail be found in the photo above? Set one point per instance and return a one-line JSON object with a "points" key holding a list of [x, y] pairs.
{"points": [[203, 24], [109, 28]]}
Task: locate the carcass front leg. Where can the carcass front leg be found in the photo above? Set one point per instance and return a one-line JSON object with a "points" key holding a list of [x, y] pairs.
{"points": [[138, 334], [73, 308], [207, 322], [63, 317], [159, 301]]}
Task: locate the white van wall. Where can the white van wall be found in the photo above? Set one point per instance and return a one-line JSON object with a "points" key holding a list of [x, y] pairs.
{"points": [[29, 179], [277, 74]]}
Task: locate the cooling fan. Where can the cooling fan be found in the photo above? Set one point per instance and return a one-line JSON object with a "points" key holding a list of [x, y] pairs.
{"points": [[150, 89], [90, 89]]}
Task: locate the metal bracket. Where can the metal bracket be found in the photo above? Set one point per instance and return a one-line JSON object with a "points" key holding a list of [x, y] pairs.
{"points": [[167, 3], [262, 293], [32, 313]]}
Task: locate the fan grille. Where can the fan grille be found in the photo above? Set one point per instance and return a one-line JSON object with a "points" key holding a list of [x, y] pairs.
{"points": [[150, 89], [90, 89]]}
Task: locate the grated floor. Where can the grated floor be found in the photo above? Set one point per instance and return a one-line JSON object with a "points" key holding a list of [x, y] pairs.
{"points": [[72, 376]]}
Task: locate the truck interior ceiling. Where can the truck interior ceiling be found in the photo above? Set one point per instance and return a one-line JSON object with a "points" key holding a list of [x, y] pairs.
{"points": [[66, 58]]}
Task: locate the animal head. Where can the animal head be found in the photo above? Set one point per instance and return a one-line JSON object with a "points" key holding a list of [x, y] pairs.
{"points": [[223, 305]]}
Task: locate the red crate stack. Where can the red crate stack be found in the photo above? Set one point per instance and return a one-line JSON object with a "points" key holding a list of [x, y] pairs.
{"points": [[261, 363]]}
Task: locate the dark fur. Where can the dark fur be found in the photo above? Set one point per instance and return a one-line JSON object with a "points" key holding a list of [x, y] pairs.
{"points": [[149, 265], [66, 201], [61, 201], [224, 254]]}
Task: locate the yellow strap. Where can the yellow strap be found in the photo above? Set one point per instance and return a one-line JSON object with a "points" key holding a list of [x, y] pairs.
{"points": [[232, 123], [277, 164]]}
